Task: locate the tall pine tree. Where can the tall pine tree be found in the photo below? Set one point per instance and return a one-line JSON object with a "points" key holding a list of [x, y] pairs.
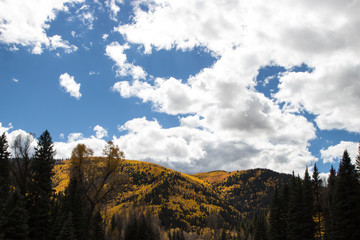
{"points": [[41, 187], [329, 205], [277, 218], [16, 226], [317, 186], [4, 170], [346, 201], [98, 227], [308, 224]]}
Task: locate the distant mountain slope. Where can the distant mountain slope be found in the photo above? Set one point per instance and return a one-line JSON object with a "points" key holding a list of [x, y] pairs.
{"points": [[188, 201], [251, 190]]}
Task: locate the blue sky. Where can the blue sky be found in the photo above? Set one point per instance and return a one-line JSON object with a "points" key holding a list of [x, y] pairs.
{"points": [[192, 85]]}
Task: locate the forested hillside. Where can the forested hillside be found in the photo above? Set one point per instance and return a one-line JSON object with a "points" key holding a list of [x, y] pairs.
{"points": [[109, 197]]}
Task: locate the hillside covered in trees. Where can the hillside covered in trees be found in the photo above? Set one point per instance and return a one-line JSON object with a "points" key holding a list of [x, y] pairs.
{"points": [[108, 197]]}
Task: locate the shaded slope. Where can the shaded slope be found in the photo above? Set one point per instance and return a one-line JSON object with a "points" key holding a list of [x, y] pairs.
{"points": [[251, 190]]}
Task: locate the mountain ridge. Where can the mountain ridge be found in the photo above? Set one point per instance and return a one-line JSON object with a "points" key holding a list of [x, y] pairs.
{"points": [[187, 201]]}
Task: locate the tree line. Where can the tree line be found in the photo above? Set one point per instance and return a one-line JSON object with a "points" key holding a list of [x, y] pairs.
{"points": [[310, 209], [30, 208]]}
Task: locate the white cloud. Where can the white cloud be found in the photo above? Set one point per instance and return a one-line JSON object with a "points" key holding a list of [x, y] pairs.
{"points": [[100, 132], [258, 29], [116, 52], [61, 136], [5, 129], [334, 153], [68, 83], [93, 73], [25, 23], [86, 16], [56, 42], [13, 48], [114, 7], [192, 150], [64, 149], [105, 36], [75, 137], [15, 80], [246, 36]]}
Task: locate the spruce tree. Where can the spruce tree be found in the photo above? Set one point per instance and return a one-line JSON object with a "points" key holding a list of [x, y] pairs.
{"points": [[308, 224], [4, 170], [317, 185], [75, 203], [347, 201], [357, 163], [16, 226], [277, 218], [98, 227], [67, 230], [41, 187], [295, 209], [329, 205]]}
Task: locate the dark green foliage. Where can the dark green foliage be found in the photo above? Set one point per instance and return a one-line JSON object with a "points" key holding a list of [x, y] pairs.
{"points": [[98, 227], [75, 203], [260, 227], [43, 164], [16, 226], [4, 170], [252, 189], [277, 218], [328, 204], [346, 201], [141, 229], [308, 225], [67, 230], [317, 188], [294, 229], [41, 187]]}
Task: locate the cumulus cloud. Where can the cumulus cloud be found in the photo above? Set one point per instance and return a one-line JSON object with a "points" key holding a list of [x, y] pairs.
{"points": [[68, 83], [246, 36], [56, 42], [334, 153], [15, 80], [258, 28], [116, 52], [25, 23], [100, 131]]}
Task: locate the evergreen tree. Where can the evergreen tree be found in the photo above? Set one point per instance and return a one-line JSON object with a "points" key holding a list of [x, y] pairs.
{"points": [[277, 218], [295, 210], [357, 163], [67, 230], [16, 226], [98, 226], [4, 170], [317, 185], [260, 227], [41, 187], [346, 201], [75, 203], [329, 203], [308, 225]]}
